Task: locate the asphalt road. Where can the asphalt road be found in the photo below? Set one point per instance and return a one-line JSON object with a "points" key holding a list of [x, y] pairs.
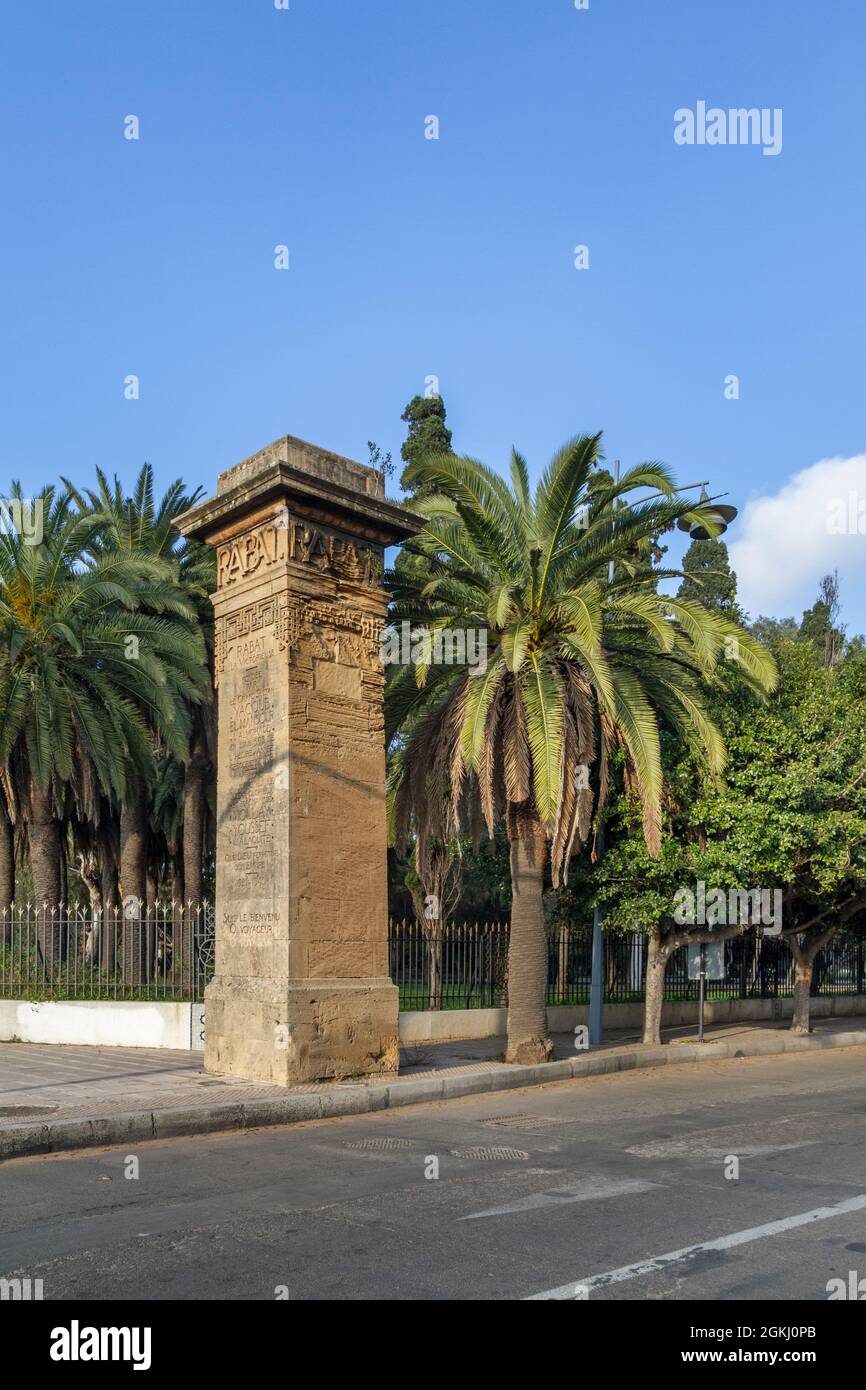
{"points": [[599, 1188]]}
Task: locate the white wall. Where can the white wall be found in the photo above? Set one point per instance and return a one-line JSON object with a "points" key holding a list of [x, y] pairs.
{"points": [[101, 1023]]}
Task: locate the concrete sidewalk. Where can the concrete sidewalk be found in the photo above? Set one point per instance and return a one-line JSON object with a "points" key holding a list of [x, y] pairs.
{"points": [[55, 1098]]}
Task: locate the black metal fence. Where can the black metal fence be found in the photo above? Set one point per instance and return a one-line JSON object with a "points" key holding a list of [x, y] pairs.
{"points": [[165, 951], [466, 967]]}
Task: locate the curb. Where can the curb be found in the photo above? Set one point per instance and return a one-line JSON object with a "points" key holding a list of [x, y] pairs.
{"points": [[137, 1126]]}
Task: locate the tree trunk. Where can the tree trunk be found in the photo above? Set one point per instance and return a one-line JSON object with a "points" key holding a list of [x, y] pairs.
{"points": [[194, 808], [181, 938], [802, 992], [654, 996], [434, 960], [527, 953], [152, 922], [91, 877], [45, 853], [7, 874], [194, 814], [110, 904], [64, 864], [178, 889], [133, 883], [108, 870], [805, 950], [562, 964]]}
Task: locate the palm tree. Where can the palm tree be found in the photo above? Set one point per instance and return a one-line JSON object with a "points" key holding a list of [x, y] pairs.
{"points": [[85, 675], [578, 670], [136, 524]]}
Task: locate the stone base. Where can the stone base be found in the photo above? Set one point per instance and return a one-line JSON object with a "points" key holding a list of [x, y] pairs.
{"points": [[310, 1030]]}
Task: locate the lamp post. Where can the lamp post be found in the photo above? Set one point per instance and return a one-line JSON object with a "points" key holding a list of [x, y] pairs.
{"points": [[722, 516]]}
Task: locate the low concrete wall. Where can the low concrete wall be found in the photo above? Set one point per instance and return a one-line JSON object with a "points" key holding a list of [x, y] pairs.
{"points": [[100, 1023], [103, 1023], [455, 1024]]}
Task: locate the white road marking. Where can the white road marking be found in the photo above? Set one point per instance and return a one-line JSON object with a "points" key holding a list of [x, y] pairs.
{"points": [[567, 1292], [586, 1190]]}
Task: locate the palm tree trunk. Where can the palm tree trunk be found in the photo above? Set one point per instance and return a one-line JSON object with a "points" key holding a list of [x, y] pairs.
{"points": [[178, 886], [194, 809], [656, 965], [108, 870], [133, 883], [7, 874], [181, 938], [527, 952], [110, 905], [194, 805], [64, 863], [45, 854]]}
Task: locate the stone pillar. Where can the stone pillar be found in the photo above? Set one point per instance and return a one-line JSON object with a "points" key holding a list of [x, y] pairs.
{"points": [[301, 990]]}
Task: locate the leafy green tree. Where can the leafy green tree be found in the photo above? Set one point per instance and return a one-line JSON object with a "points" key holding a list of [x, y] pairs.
{"points": [[709, 579], [789, 817], [820, 622], [576, 668], [772, 631], [427, 434]]}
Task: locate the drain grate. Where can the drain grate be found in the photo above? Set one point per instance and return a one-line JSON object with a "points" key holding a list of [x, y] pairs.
{"points": [[490, 1154], [379, 1144], [528, 1122]]}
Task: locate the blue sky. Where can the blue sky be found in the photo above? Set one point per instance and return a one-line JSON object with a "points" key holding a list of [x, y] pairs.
{"points": [[455, 257]]}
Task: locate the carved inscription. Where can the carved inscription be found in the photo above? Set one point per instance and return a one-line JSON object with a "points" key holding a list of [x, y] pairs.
{"points": [[284, 539], [247, 637], [248, 829], [336, 634]]}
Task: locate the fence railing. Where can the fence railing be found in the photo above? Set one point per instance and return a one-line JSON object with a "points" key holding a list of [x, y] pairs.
{"points": [[167, 952], [466, 967], [164, 951]]}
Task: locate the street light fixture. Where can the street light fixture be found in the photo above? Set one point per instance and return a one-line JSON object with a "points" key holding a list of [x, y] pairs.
{"points": [[718, 513]]}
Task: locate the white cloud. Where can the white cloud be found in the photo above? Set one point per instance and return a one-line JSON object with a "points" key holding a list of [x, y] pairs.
{"points": [[785, 543]]}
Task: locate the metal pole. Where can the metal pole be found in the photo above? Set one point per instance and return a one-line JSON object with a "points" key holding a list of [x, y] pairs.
{"points": [[703, 976], [596, 987]]}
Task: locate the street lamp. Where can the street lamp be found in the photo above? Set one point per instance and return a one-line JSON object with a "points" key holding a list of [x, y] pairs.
{"points": [[720, 514]]}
